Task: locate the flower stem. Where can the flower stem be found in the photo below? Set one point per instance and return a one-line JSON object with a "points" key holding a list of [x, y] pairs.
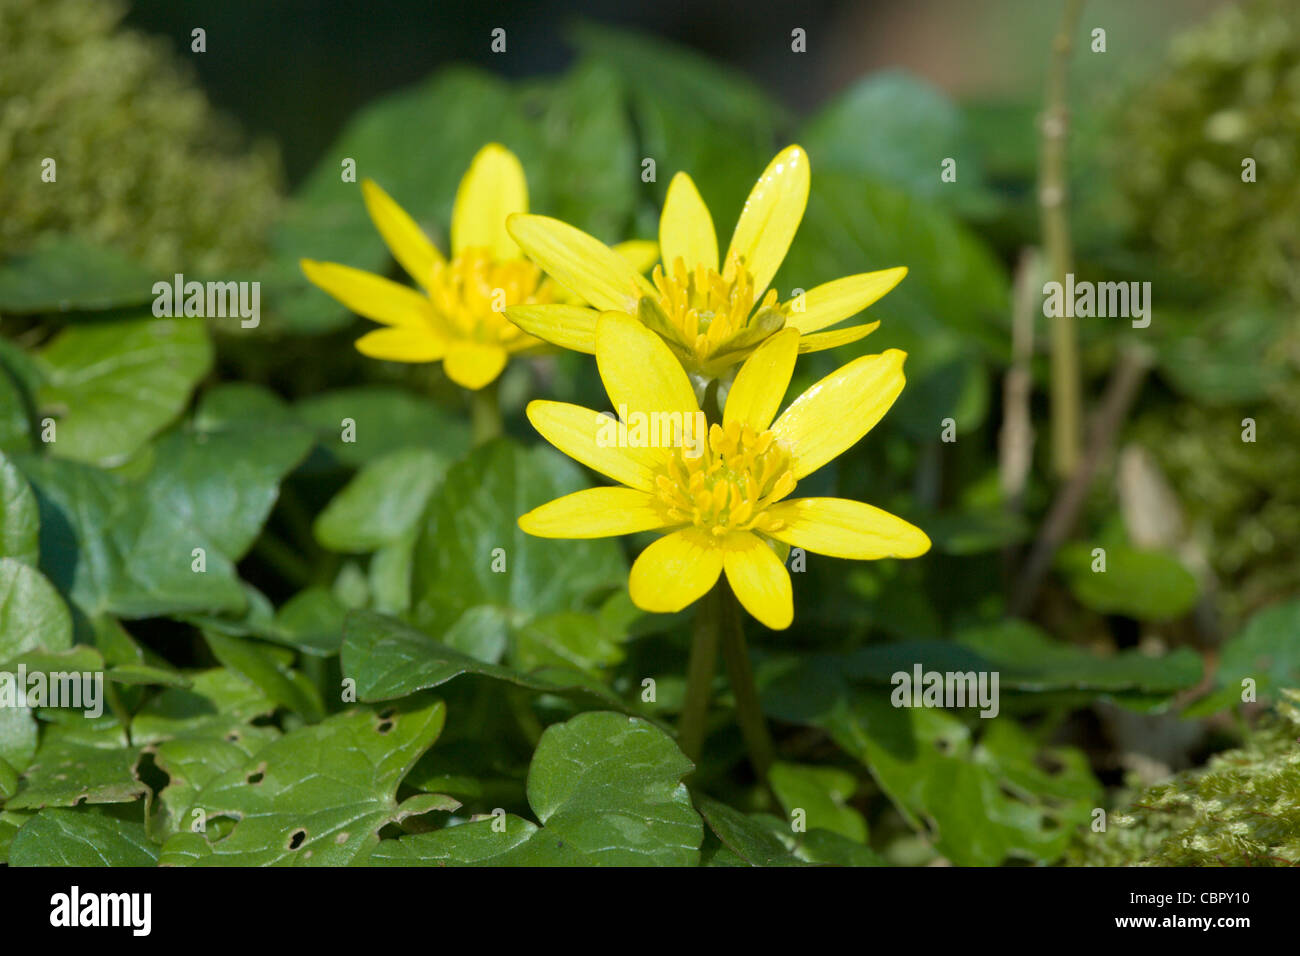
{"points": [[486, 413], [699, 675], [740, 674]]}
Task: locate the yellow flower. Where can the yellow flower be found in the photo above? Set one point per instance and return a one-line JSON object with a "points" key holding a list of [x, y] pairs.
{"points": [[721, 504], [457, 318], [712, 316]]}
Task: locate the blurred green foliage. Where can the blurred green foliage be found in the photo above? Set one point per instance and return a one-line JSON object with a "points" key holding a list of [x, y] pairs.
{"points": [[349, 534]]}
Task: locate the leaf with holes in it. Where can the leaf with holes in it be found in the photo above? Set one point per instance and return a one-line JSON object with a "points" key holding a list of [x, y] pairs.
{"points": [[607, 789], [218, 703], [190, 763], [113, 385], [80, 760], [86, 837], [318, 795]]}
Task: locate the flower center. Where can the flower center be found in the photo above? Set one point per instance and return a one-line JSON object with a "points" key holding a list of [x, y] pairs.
{"points": [[471, 292], [727, 488], [707, 308]]}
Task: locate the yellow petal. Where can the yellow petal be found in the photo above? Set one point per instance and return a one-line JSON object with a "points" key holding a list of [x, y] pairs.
{"points": [[640, 374], [492, 189], [568, 326], [756, 394], [674, 571], [584, 265], [585, 436], [686, 228], [832, 302], [837, 411], [407, 241], [401, 344], [846, 529], [819, 341], [473, 365], [771, 216], [641, 253], [759, 579], [370, 295], [594, 513]]}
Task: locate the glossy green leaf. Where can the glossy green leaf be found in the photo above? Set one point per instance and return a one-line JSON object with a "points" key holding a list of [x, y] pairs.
{"points": [[66, 274], [821, 793], [32, 615], [607, 790], [110, 386], [319, 795], [113, 548], [1148, 585], [56, 837], [382, 503], [20, 522]]}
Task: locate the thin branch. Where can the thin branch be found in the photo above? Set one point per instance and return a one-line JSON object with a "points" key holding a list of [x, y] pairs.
{"points": [[1053, 200], [1121, 391]]}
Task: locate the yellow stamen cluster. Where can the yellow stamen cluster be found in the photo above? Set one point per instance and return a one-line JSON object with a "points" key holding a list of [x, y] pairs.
{"points": [[470, 294], [707, 308], [728, 487]]}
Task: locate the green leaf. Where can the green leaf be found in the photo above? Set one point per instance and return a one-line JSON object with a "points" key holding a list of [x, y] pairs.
{"points": [[897, 129], [190, 764], [954, 284], [969, 797], [112, 385], [57, 837], [20, 523], [269, 669], [588, 175], [113, 548], [389, 659], [692, 116], [471, 532], [218, 704], [821, 793], [1148, 585], [80, 760], [65, 274], [1265, 651], [32, 615], [1029, 660], [328, 219], [570, 639], [319, 795], [221, 472], [607, 789], [15, 422], [753, 843], [383, 420], [382, 503]]}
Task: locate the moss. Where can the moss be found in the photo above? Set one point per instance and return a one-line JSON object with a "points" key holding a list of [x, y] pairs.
{"points": [[1241, 810], [143, 162], [1228, 90]]}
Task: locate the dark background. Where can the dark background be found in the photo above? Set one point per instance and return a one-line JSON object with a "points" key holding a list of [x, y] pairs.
{"points": [[295, 70]]}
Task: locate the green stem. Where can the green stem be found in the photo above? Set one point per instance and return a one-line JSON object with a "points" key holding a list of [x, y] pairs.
{"points": [[740, 674], [699, 675], [1053, 198], [486, 412]]}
